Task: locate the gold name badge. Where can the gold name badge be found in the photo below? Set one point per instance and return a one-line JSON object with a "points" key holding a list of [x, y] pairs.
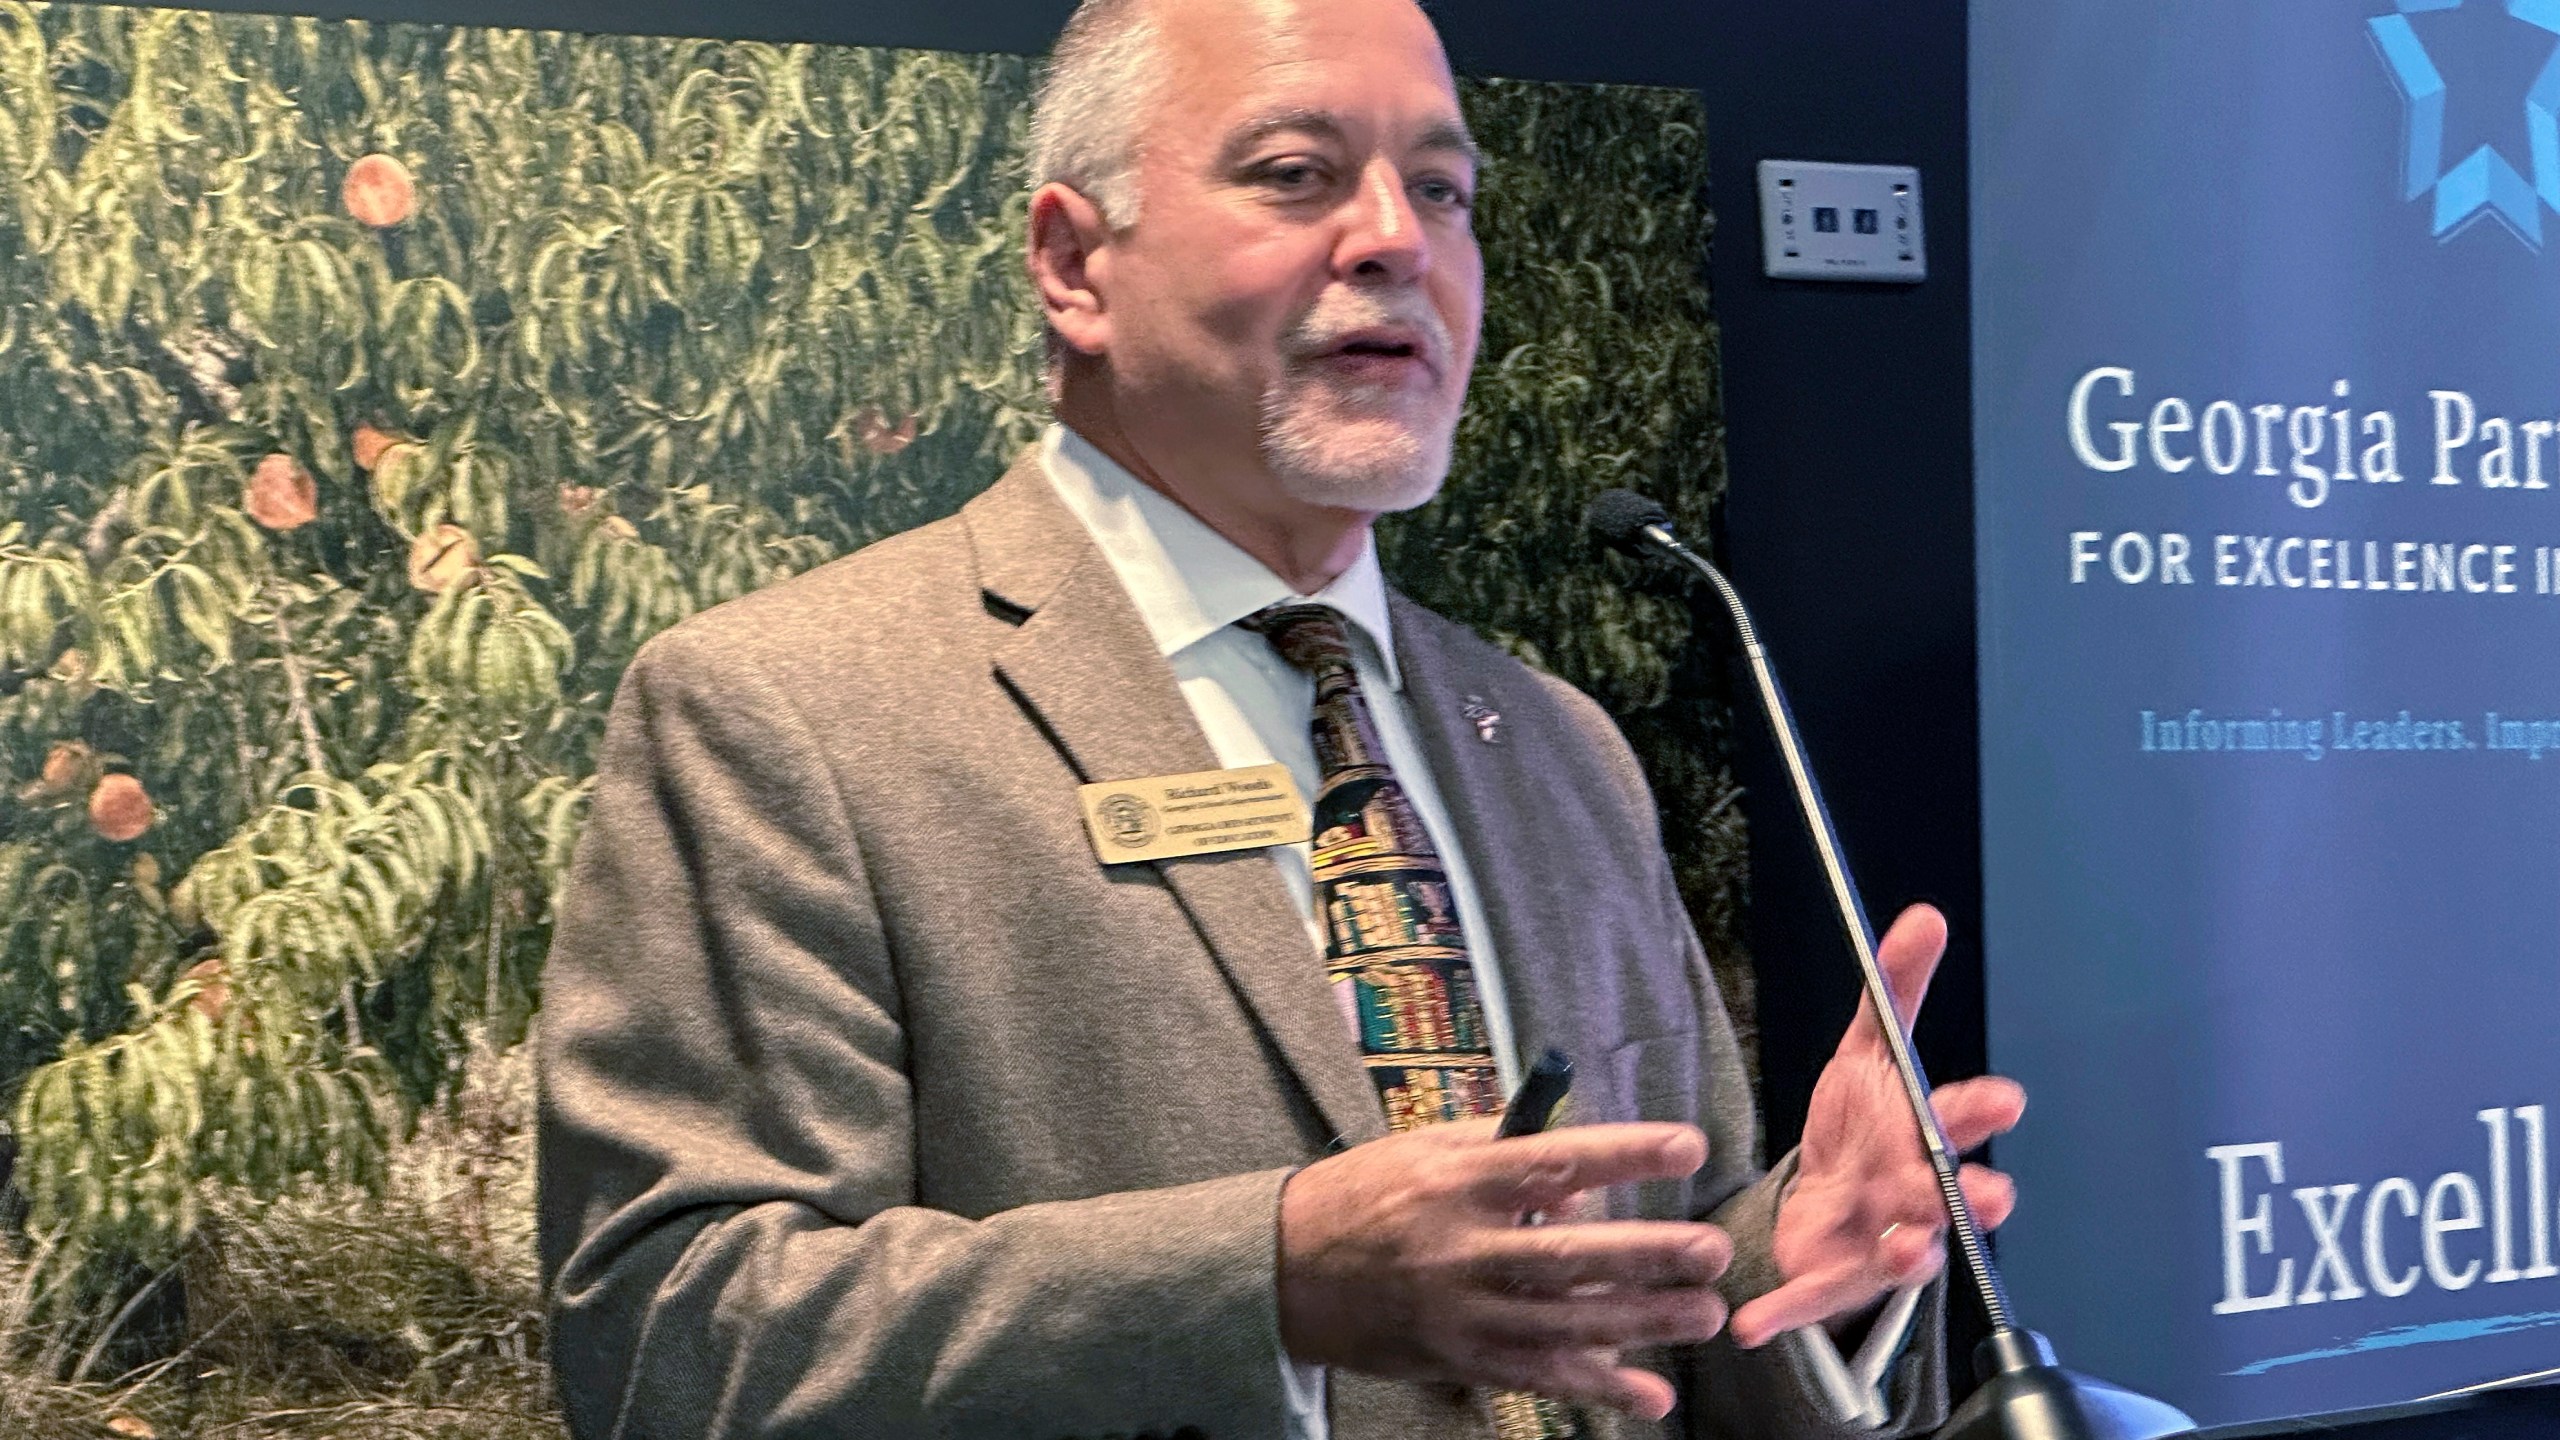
{"points": [[1203, 814]]}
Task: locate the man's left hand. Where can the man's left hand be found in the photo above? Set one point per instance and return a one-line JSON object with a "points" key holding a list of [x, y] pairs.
{"points": [[1865, 1217]]}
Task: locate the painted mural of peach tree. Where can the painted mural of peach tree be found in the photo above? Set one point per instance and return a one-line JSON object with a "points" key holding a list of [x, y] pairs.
{"points": [[367, 396]]}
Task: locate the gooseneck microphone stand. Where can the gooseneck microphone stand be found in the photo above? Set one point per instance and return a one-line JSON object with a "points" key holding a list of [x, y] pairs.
{"points": [[2024, 1394]]}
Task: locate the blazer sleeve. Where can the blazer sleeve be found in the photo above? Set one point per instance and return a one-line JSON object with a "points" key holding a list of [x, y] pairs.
{"points": [[727, 1208], [1727, 1392]]}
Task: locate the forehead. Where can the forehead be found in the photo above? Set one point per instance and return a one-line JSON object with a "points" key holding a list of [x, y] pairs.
{"points": [[1231, 64]]}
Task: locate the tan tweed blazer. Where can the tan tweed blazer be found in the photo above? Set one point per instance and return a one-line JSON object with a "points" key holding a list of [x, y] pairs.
{"points": [[873, 1105]]}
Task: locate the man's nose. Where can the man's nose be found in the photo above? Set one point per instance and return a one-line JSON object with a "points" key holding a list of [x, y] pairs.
{"points": [[1382, 241]]}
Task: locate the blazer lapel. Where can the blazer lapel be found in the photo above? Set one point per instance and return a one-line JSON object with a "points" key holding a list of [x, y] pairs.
{"points": [[1084, 665], [1489, 791]]}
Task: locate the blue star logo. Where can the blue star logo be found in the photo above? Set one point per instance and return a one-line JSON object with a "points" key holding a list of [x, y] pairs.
{"points": [[2484, 182]]}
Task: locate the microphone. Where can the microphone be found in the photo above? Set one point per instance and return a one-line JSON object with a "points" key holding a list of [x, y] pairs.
{"points": [[2024, 1394], [1619, 518]]}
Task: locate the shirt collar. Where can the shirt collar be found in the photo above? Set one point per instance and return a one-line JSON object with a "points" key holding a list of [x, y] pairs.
{"points": [[1190, 582]]}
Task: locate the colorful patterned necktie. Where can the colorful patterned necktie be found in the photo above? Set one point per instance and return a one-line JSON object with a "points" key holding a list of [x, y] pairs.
{"points": [[1394, 952]]}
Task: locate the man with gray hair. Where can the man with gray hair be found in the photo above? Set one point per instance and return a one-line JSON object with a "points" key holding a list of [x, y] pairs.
{"points": [[958, 1023]]}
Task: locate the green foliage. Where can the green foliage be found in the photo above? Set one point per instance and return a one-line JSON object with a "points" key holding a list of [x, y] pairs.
{"points": [[369, 394], [406, 1309]]}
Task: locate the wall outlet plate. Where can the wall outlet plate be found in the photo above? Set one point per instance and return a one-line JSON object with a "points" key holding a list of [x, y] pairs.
{"points": [[1841, 222]]}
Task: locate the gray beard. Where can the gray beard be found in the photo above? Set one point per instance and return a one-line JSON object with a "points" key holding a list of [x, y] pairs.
{"points": [[1375, 462]]}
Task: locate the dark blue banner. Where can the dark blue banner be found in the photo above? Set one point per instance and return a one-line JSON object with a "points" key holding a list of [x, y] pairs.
{"points": [[2268, 375]]}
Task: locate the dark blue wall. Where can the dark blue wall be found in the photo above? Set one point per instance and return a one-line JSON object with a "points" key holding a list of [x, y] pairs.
{"points": [[1850, 522]]}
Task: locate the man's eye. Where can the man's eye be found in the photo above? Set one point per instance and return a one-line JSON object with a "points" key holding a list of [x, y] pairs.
{"points": [[1292, 174], [1444, 192]]}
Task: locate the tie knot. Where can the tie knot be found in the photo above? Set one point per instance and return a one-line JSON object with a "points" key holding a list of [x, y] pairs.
{"points": [[1309, 637]]}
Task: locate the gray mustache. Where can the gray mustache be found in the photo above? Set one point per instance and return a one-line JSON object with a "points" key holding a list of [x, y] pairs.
{"points": [[1324, 326]]}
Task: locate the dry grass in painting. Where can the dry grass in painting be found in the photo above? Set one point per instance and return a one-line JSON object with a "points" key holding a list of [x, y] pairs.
{"points": [[329, 1313]]}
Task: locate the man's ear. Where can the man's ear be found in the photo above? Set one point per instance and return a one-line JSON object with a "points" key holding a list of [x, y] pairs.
{"points": [[1070, 265]]}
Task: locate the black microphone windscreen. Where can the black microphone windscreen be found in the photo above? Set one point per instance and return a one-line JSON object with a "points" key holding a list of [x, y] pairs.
{"points": [[1619, 517]]}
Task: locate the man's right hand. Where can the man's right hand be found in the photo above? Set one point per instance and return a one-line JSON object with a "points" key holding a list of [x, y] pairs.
{"points": [[1406, 1257]]}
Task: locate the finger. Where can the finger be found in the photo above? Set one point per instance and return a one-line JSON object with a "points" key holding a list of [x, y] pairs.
{"points": [[1972, 1111], [1552, 1259], [1587, 1377], [1909, 954], [1800, 1302], [1612, 1318], [1910, 1254], [1542, 1172], [1905, 1255], [1992, 1195]]}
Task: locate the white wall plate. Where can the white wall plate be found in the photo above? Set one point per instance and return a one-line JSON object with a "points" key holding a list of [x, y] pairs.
{"points": [[1841, 222]]}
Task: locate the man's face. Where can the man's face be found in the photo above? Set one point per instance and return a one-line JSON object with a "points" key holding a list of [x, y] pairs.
{"points": [[1296, 309]]}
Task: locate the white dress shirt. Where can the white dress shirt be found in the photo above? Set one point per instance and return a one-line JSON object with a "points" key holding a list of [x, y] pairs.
{"points": [[1191, 585]]}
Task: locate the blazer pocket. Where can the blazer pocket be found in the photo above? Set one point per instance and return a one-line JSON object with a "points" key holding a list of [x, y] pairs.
{"points": [[1657, 1077]]}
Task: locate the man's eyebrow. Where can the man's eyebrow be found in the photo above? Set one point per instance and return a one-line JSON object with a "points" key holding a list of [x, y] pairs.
{"points": [[1306, 121], [1452, 135], [1448, 135]]}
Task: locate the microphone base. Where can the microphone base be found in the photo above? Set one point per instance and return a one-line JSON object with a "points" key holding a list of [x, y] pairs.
{"points": [[2026, 1396]]}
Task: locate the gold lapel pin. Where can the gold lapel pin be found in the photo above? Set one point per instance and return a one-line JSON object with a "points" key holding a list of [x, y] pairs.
{"points": [[1486, 719]]}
